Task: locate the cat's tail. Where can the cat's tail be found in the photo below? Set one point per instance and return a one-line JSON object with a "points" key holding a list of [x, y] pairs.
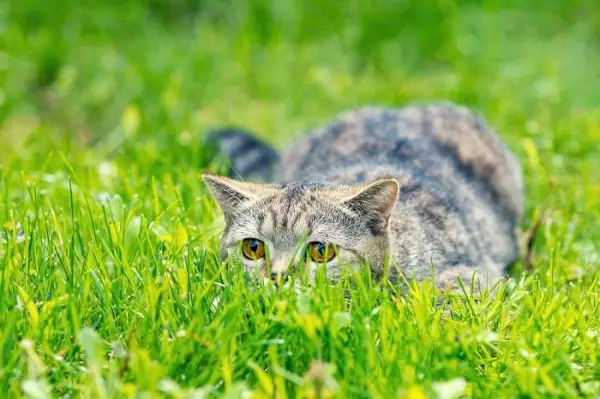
{"points": [[249, 157]]}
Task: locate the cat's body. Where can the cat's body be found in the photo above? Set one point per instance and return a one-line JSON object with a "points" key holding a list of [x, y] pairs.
{"points": [[454, 193]]}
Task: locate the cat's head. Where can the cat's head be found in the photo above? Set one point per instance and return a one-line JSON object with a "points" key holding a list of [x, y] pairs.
{"points": [[274, 228]]}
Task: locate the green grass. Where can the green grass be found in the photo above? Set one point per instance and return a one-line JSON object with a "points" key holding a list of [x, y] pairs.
{"points": [[109, 281]]}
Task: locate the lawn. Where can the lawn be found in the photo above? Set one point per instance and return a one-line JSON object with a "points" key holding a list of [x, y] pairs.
{"points": [[110, 285]]}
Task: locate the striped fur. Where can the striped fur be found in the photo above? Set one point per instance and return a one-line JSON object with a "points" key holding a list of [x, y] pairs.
{"points": [[250, 158], [453, 190]]}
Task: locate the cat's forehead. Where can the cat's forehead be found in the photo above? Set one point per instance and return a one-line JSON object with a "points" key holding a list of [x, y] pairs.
{"points": [[295, 210], [285, 215], [293, 200], [304, 195]]}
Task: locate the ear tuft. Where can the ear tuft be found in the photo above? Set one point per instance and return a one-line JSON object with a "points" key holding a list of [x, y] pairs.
{"points": [[376, 199]]}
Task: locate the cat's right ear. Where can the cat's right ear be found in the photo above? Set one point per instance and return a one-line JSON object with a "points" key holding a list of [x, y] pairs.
{"points": [[376, 199], [229, 193]]}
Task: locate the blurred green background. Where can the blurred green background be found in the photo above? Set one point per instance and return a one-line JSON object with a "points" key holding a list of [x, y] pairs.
{"points": [[137, 83], [119, 74], [137, 80], [112, 98]]}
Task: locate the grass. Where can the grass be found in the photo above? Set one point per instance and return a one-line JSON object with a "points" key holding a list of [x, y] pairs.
{"points": [[109, 281]]}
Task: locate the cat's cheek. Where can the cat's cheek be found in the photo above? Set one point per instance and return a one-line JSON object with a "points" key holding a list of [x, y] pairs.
{"points": [[237, 258], [231, 252], [255, 268], [312, 269], [333, 271], [348, 259]]}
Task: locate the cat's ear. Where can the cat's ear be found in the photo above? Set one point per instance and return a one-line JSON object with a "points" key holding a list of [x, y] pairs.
{"points": [[229, 193], [375, 199]]}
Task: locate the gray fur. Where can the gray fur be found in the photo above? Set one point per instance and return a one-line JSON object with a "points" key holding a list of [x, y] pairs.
{"points": [[250, 158], [456, 195]]}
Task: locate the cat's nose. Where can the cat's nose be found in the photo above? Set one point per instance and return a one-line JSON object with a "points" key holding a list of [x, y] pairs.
{"points": [[276, 276], [279, 269]]}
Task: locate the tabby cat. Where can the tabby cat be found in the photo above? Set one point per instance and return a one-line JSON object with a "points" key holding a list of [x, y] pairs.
{"points": [[427, 190]]}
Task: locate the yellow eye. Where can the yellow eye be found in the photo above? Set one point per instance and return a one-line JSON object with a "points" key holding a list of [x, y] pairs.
{"points": [[321, 252], [253, 249]]}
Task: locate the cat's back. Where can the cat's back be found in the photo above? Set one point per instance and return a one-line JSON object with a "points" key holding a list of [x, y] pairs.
{"points": [[444, 144], [461, 189]]}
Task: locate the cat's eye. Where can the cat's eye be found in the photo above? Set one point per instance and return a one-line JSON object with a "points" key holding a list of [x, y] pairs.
{"points": [[321, 252], [253, 249]]}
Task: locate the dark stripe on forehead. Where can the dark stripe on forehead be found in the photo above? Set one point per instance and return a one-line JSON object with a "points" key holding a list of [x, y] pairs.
{"points": [[307, 203], [273, 215], [261, 221], [299, 212], [292, 195], [311, 224]]}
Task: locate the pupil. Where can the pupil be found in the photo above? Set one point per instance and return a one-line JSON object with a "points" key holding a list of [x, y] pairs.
{"points": [[253, 245], [322, 248]]}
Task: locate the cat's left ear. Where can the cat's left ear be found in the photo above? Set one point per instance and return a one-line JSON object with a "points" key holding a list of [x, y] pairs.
{"points": [[231, 194], [376, 199]]}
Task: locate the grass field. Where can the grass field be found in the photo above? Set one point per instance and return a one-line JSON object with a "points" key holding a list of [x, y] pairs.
{"points": [[109, 282]]}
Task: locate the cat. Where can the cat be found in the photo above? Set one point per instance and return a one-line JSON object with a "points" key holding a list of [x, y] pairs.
{"points": [[427, 190]]}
